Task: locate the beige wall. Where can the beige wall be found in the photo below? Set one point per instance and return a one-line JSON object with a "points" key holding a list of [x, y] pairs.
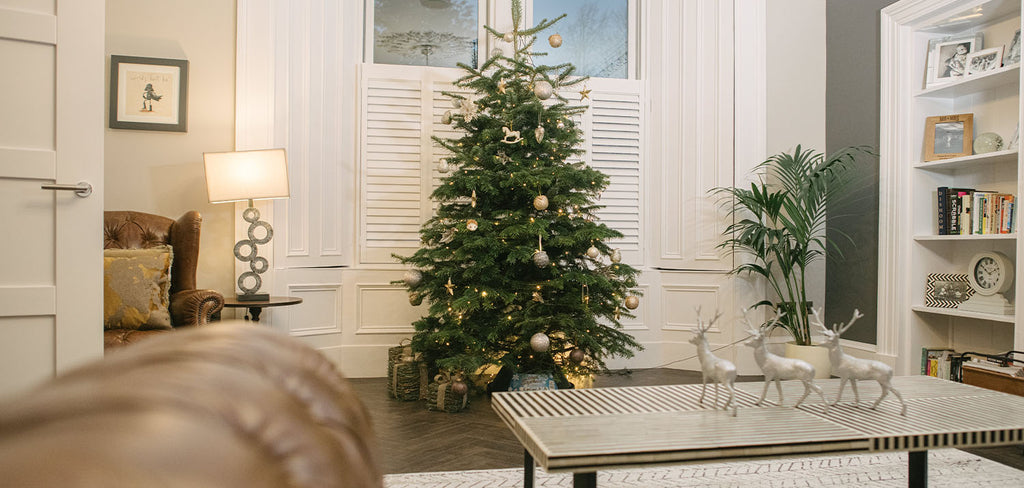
{"points": [[162, 172]]}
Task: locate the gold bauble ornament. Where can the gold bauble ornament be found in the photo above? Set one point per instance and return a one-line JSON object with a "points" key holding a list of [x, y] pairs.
{"points": [[540, 203], [415, 299], [538, 134], [447, 117], [632, 302], [616, 256], [555, 40], [471, 224], [543, 89], [593, 252]]}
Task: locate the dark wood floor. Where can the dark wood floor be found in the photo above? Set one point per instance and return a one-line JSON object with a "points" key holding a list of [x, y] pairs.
{"points": [[413, 439]]}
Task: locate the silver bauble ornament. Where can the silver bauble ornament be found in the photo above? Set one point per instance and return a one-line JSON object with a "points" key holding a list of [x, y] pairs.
{"points": [[616, 256], [447, 117], [459, 388], [540, 342], [444, 167], [412, 278], [508, 37], [457, 103], [540, 203], [577, 355], [471, 224], [560, 124], [541, 259], [555, 40], [538, 134], [415, 299], [496, 52], [593, 252], [632, 302], [543, 89]]}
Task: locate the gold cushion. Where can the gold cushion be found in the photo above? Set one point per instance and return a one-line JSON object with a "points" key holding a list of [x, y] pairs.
{"points": [[136, 288]]}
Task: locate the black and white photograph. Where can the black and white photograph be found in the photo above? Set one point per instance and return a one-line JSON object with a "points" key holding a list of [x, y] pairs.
{"points": [[949, 137], [947, 290], [985, 60], [947, 58], [1013, 52]]}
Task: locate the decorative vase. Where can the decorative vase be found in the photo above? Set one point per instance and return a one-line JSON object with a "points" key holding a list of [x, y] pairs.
{"points": [[816, 355]]}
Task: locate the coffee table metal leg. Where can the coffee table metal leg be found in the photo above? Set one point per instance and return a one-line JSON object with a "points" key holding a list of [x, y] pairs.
{"points": [[584, 480], [917, 476], [527, 469]]}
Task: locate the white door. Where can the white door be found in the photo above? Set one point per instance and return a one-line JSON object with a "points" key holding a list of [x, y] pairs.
{"points": [[51, 131]]}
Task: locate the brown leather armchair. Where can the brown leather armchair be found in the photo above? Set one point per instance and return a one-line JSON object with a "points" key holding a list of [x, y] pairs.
{"points": [[123, 229]]}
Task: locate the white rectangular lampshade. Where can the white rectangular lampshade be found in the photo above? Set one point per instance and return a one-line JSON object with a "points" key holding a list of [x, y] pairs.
{"points": [[243, 175]]}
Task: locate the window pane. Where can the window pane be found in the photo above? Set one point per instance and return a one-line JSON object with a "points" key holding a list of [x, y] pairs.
{"points": [[425, 32], [595, 35]]}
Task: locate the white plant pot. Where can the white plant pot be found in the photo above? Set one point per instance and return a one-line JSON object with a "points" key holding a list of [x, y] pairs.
{"points": [[816, 355]]}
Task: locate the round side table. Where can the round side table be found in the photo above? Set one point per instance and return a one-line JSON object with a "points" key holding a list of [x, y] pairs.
{"points": [[253, 309]]}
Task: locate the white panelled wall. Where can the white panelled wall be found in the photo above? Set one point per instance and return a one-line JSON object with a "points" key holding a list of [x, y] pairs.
{"points": [[362, 166]]}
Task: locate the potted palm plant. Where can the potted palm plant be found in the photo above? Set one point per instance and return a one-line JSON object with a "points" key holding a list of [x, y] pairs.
{"points": [[779, 225]]}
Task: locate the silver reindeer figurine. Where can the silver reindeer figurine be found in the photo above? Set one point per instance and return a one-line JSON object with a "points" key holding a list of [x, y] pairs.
{"points": [[777, 368], [716, 369], [849, 368]]}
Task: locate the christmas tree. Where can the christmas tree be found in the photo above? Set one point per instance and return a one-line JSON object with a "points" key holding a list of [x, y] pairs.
{"points": [[514, 265]]}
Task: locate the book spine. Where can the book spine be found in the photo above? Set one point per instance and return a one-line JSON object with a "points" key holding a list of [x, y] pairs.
{"points": [[965, 218], [954, 214], [942, 211]]}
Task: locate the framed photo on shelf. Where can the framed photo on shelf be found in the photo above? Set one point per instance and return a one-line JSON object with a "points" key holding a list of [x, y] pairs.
{"points": [[148, 93], [947, 58], [948, 136], [985, 60], [946, 290], [1013, 51]]}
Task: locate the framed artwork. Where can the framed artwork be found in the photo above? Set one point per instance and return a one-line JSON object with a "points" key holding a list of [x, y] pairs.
{"points": [[1013, 52], [948, 136], [985, 60], [148, 93], [946, 290], [947, 58]]}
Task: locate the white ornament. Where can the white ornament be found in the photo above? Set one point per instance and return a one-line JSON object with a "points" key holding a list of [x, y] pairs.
{"points": [[508, 37], [718, 370], [444, 167], [457, 102], [468, 109], [560, 124], [540, 202], [632, 302], [543, 89], [412, 278], [511, 136], [616, 256], [538, 133], [849, 368], [471, 224], [777, 368], [555, 40], [496, 52], [593, 252], [540, 342], [447, 117], [541, 259]]}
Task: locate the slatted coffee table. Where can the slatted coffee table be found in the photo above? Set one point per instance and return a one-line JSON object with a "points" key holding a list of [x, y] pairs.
{"points": [[584, 431]]}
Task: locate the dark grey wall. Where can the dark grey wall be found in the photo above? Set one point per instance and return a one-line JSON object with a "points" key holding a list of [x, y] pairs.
{"points": [[851, 118]]}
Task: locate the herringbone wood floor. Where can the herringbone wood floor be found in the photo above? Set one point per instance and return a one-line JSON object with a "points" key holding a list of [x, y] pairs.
{"points": [[413, 439]]}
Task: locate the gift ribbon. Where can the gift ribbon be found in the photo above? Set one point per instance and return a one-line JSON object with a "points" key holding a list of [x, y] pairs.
{"points": [[443, 380]]}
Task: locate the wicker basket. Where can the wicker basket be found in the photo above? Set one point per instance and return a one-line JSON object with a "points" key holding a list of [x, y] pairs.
{"points": [[408, 380], [440, 397], [395, 354]]}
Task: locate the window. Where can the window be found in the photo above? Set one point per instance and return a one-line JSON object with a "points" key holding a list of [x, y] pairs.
{"points": [[595, 34], [425, 32]]}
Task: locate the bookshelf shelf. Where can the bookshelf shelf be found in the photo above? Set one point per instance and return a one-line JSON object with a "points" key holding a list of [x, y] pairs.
{"points": [[911, 189], [974, 84], [955, 312], [968, 237], [1004, 157]]}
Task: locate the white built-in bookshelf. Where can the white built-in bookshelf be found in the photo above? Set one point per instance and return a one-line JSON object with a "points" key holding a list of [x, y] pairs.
{"points": [[910, 247]]}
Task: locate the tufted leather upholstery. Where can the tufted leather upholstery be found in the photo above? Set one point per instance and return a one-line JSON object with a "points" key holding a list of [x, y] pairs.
{"points": [[123, 229], [226, 406]]}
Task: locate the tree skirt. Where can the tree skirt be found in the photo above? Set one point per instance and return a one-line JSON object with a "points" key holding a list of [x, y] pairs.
{"points": [[946, 468]]}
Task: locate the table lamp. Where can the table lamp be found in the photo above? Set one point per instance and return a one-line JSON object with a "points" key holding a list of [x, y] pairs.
{"points": [[246, 176]]}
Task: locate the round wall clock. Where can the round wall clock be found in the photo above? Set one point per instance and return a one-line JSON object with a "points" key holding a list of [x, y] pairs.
{"points": [[990, 272]]}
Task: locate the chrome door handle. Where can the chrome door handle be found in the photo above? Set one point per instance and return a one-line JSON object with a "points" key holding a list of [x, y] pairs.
{"points": [[82, 189]]}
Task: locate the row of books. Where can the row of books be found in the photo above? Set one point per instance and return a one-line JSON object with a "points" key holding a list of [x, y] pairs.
{"points": [[936, 362], [969, 211]]}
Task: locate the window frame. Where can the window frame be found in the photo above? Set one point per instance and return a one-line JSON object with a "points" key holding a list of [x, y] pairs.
{"points": [[489, 12]]}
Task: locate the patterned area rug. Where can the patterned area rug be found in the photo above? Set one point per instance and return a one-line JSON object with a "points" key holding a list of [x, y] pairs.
{"points": [[946, 468]]}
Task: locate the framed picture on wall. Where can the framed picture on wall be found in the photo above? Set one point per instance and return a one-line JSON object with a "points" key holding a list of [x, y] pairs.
{"points": [[985, 60], [148, 93], [947, 58], [948, 136]]}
